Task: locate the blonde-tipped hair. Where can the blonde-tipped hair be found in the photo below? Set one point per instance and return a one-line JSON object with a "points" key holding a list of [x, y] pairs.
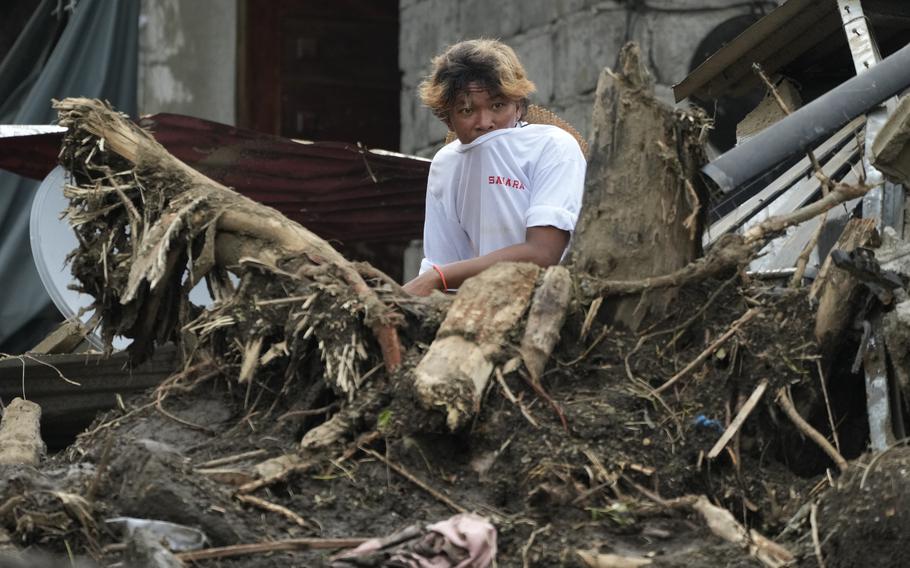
{"points": [[488, 62]]}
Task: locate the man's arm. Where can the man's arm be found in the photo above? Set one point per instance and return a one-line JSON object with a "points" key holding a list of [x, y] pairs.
{"points": [[543, 246]]}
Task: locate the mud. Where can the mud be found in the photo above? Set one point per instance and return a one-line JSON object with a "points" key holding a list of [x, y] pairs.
{"points": [[865, 520], [549, 492]]}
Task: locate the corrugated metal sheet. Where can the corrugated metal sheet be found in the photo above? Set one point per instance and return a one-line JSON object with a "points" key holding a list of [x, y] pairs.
{"points": [[340, 191]]}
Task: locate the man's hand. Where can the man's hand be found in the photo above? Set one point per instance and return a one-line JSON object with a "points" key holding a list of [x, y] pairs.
{"points": [[424, 284]]}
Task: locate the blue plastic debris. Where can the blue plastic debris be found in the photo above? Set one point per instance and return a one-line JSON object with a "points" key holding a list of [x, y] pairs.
{"points": [[703, 421]]}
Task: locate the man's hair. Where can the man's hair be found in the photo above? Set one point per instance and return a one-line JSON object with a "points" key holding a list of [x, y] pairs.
{"points": [[488, 62]]}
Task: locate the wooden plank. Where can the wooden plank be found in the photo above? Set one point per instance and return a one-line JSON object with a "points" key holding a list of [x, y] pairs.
{"points": [[740, 419], [777, 28], [891, 148], [807, 31], [65, 338]]}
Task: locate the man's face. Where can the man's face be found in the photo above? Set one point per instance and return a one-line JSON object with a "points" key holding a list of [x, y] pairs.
{"points": [[477, 112]]}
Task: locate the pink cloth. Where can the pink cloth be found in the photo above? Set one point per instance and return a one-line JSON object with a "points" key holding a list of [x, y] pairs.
{"points": [[463, 541]]}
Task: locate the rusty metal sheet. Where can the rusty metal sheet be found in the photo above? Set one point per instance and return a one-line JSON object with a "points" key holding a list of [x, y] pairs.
{"points": [[340, 191]]}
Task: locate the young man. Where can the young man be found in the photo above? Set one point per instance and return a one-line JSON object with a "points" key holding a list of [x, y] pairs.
{"points": [[504, 190]]}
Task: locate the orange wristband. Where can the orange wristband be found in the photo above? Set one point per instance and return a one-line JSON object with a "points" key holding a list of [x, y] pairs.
{"points": [[442, 277]]}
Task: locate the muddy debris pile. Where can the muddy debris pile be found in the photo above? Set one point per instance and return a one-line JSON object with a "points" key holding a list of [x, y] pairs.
{"points": [[655, 407]]}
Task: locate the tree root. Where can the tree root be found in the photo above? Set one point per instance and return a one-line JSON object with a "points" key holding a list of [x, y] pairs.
{"points": [[145, 220]]}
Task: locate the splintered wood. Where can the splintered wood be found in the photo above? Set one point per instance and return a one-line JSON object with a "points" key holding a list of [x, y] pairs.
{"points": [[836, 290]]}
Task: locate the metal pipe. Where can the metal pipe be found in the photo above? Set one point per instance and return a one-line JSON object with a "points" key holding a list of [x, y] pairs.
{"points": [[808, 126]]}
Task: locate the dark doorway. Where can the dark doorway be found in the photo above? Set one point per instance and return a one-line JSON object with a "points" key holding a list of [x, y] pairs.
{"points": [[324, 71], [727, 111]]}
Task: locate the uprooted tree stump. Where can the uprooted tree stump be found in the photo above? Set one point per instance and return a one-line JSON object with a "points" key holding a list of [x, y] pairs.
{"points": [[151, 228], [643, 203]]}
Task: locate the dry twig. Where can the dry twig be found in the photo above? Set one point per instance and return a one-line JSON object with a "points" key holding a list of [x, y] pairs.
{"points": [[878, 456], [734, 327], [280, 476], [410, 477], [821, 379], [265, 547], [513, 399], [526, 549], [740, 419], [232, 459], [783, 399], [274, 508]]}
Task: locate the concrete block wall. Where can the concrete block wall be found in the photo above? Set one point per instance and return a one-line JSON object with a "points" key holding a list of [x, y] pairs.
{"points": [[564, 45]]}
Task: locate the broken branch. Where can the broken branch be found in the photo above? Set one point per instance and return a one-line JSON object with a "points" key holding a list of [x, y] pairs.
{"points": [[786, 403], [264, 547], [722, 523], [274, 508], [751, 313], [410, 477]]}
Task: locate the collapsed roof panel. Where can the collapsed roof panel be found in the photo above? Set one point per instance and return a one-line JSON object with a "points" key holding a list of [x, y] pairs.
{"points": [[802, 39]]}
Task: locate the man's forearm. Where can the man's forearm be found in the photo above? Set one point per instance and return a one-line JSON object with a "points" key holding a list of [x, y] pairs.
{"points": [[457, 272], [543, 246]]}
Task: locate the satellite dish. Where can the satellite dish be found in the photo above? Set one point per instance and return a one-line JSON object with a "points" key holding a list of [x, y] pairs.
{"points": [[53, 239]]}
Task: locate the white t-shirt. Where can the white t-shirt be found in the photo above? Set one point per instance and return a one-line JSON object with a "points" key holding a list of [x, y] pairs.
{"points": [[482, 196]]}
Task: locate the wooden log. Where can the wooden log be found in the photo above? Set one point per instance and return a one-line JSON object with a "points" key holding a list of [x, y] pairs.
{"points": [[837, 290], [454, 372], [20, 434], [545, 319], [641, 214]]}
